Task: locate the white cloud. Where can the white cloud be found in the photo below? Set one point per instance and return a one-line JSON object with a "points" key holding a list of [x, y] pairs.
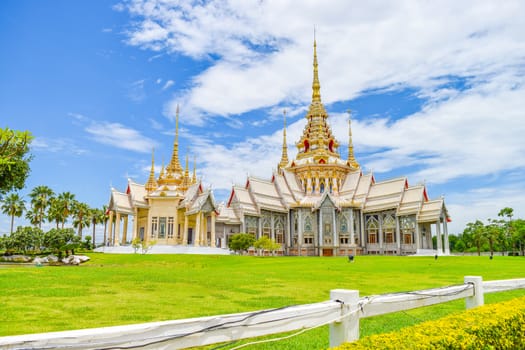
{"points": [[261, 46], [260, 57], [120, 136], [168, 84]]}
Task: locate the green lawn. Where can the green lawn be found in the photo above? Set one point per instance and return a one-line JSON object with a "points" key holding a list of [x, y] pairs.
{"points": [[124, 289]]}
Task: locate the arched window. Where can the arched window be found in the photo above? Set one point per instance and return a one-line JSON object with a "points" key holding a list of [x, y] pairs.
{"points": [[331, 145], [389, 229], [321, 187], [372, 229], [306, 145]]}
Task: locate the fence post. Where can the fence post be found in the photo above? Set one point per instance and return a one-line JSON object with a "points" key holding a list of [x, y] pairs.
{"points": [[477, 299], [346, 329]]}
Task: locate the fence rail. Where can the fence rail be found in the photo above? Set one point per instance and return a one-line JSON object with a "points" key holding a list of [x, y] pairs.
{"points": [[342, 312]]}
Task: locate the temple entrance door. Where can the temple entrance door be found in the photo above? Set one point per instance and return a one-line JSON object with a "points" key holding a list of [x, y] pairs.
{"points": [[190, 236], [328, 252]]}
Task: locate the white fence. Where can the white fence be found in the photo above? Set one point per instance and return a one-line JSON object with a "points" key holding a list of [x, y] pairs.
{"points": [[342, 312]]}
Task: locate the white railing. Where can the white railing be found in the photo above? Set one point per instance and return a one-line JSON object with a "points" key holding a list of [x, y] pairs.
{"points": [[342, 312]]}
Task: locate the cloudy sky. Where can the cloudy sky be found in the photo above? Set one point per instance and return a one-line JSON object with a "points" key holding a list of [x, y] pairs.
{"points": [[436, 90]]}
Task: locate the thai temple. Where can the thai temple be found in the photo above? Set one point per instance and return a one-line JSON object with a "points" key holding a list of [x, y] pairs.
{"points": [[317, 204]]}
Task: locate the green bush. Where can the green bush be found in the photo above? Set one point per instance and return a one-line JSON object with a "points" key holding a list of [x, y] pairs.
{"points": [[495, 326]]}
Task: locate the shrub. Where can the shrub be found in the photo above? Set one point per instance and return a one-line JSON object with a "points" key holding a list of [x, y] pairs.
{"points": [[495, 326]]}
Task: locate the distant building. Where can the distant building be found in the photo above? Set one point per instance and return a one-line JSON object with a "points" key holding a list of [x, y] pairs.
{"points": [[315, 205]]}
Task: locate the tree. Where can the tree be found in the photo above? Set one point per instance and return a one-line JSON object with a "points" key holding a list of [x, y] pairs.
{"points": [[474, 232], [105, 218], [40, 200], [55, 213], [13, 205], [14, 159], [81, 217], [265, 243], [241, 242], [492, 233], [33, 216], [61, 240], [96, 216], [66, 201], [518, 235], [508, 213], [27, 238]]}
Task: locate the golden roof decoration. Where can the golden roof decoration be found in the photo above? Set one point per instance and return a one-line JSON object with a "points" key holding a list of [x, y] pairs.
{"points": [[284, 156], [151, 184]]}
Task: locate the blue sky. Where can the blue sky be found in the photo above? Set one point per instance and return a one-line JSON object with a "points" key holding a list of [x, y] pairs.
{"points": [[436, 89]]}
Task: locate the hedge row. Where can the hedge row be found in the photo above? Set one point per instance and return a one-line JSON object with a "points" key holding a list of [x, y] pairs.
{"points": [[494, 326]]}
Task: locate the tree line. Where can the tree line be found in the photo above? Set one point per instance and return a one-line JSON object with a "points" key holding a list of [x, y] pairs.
{"points": [[504, 234], [46, 206]]}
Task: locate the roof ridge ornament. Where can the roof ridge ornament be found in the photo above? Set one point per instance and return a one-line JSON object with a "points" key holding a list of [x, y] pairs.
{"points": [[351, 157], [284, 156]]}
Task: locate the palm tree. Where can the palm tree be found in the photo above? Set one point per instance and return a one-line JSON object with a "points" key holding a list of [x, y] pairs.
{"points": [[55, 213], [96, 216], [40, 199], [33, 216], [105, 218], [81, 217], [13, 205], [66, 202], [508, 212]]}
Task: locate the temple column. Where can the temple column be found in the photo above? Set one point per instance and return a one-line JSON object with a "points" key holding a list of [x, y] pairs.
{"points": [[196, 242], [351, 226], [364, 242], [176, 227], [418, 243], [439, 238], [185, 232], [317, 185], [320, 229], [445, 230], [110, 231], [398, 236], [381, 234], [135, 233], [213, 243], [272, 228], [125, 233], [300, 238], [204, 221], [335, 243], [116, 241]]}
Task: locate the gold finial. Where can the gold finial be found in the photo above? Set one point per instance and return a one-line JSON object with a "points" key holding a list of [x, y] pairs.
{"points": [[151, 184], [194, 178], [351, 158], [316, 86], [174, 165], [284, 157]]}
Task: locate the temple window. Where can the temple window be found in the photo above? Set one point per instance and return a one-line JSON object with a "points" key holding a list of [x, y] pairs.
{"points": [[170, 227], [372, 229], [306, 145], [279, 234], [408, 225], [154, 226], [389, 227], [162, 227], [321, 188], [309, 239], [266, 230]]}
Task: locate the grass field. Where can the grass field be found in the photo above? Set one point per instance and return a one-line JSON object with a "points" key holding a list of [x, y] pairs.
{"points": [[123, 289]]}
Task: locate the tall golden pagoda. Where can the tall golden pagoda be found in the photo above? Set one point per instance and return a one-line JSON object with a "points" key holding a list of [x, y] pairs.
{"points": [[318, 164]]}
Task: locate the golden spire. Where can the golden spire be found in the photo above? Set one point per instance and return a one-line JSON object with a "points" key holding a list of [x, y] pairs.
{"points": [[284, 157], [316, 86], [194, 178], [174, 165], [151, 184], [351, 158]]}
